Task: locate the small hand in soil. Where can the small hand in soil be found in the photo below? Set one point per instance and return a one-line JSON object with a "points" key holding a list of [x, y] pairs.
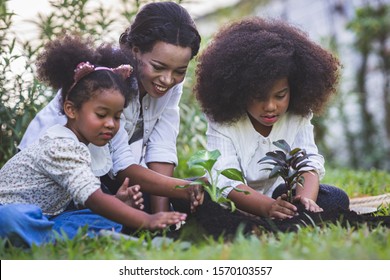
{"points": [[309, 204], [282, 209]]}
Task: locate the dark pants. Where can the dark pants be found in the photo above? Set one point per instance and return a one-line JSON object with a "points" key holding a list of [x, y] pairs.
{"points": [[329, 197]]}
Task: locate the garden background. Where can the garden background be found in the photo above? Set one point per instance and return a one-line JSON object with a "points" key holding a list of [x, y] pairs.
{"points": [[353, 134]]}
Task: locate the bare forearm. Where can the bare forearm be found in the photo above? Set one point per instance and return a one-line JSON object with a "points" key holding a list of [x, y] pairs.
{"points": [[113, 209], [253, 203], [160, 203], [162, 168], [310, 187], [154, 182]]}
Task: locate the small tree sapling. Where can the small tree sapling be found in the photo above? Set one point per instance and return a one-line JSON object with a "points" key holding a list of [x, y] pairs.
{"points": [[206, 160], [289, 164]]}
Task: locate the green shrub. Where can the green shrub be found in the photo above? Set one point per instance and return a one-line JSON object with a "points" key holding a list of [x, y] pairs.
{"points": [[21, 95]]}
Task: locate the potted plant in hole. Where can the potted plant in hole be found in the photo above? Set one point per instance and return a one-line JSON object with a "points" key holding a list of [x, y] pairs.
{"points": [[206, 160], [289, 164]]}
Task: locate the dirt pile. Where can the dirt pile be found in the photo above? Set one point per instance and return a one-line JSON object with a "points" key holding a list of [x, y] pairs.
{"points": [[216, 220]]}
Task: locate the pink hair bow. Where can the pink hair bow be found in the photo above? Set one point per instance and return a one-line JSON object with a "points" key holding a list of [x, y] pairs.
{"points": [[85, 68]]}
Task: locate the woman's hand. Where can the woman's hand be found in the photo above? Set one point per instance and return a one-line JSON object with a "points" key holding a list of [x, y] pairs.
{"points": [[130, 195], [195, 194], [310, 205]]}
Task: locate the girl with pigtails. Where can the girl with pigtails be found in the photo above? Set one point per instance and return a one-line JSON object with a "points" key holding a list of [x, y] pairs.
{"points": [[162, 40], [49, 188]]}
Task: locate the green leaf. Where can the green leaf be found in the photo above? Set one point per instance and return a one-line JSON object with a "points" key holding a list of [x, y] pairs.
{"points": [[204, 159], [295, 151], [275, 171], [224, 188], [195, 182], [271, 160], [301, 181], [292, 173], [199, 182], [295, 162], [233, 174], [277, 155], [241, 191], [304, 164], [232, 206], [235, 189], [282, 144], [266, 169], [227, 200]]}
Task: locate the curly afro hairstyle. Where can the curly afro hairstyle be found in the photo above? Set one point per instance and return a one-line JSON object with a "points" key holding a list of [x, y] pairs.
{"points": [[60, 57], [244, 60]]}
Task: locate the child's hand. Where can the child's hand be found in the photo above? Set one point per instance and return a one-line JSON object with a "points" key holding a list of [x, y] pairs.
{"points": [[282, 209], [130, 195], [161, 220], [310, 205]]}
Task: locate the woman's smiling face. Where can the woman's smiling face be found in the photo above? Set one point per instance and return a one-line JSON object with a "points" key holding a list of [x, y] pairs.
{"points": [[162, 68]]}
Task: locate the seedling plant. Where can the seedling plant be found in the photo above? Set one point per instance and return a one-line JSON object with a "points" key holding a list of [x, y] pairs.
{"points": [[206, 160], [289, 164]]}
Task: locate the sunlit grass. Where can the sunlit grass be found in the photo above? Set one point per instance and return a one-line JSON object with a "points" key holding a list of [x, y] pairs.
{"points": [[327, 243], [331, 242], [358, 182]]}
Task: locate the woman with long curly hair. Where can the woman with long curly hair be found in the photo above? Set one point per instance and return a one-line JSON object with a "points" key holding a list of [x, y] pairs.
{"points": [[260, 81]]}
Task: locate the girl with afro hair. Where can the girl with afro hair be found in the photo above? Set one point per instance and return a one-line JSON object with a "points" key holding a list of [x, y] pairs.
{"points": [[260, 81]]}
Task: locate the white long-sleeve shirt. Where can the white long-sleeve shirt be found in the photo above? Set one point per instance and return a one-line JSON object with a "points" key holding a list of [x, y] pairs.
{"points": [[241, 147]]}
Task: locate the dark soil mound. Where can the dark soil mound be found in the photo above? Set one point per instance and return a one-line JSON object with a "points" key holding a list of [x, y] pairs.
{"points": [[218, 221]]}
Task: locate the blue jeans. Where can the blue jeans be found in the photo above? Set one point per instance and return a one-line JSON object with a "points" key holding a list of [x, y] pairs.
{"points": [[329, 198], [24, 224]]}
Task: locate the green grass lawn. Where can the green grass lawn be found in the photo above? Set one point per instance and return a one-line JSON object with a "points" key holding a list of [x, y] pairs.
{"points": [[332, 242]]}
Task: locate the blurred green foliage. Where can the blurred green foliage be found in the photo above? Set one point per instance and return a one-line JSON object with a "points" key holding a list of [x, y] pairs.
{"points": [[21, 95], [369, 146], [358, 182]]}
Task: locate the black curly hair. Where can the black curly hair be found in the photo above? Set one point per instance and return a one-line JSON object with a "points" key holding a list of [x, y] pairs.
{"points": [[60, 57], [244, 60], [161, 21]]}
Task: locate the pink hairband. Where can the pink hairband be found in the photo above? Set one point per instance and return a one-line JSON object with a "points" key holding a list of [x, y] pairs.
{"points": [[85, 68]]}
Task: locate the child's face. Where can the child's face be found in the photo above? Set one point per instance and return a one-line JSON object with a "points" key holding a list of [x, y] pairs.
{"points": [[98, 119], [162, 68], [264, 114]]}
